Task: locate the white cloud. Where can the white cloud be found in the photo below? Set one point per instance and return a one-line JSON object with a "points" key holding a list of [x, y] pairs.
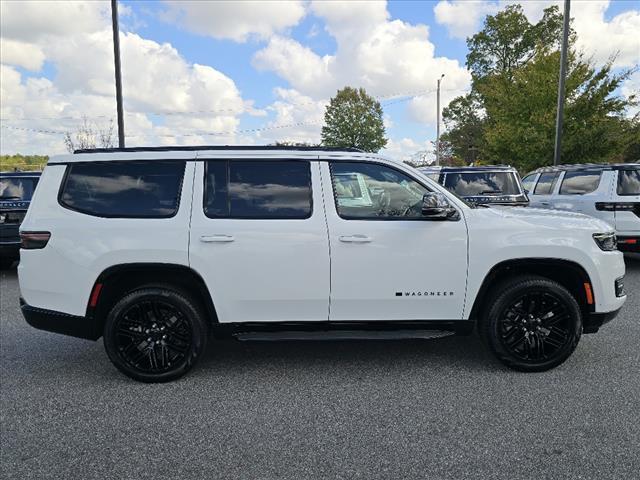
{"points": [[406, 148], [301, 116], [463, 19], [597, 38], [603, 39], [156, 78], [297, 64], [385, 57], [235, 20], [37, 19], [21, 54]]}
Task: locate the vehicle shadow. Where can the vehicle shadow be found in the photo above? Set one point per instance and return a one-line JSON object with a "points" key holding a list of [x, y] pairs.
{"points": [[632, 261], [454, 353]]}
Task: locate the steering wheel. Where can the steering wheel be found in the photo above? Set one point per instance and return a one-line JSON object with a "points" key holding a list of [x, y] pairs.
{"points": [[413, 210]]}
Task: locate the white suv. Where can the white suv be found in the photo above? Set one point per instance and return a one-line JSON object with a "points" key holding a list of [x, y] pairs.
{"points": [[608, 192], [154, 248]]}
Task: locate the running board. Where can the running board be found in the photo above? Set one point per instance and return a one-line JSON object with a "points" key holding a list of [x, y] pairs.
{"points": [[342, 335]]}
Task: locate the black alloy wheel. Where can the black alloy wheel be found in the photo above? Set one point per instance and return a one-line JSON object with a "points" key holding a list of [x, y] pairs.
{"points": [[532, 323], [155, 334], [535, 326]]}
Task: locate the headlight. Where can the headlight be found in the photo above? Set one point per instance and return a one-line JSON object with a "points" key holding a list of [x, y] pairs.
{"points": [[606, 241]]}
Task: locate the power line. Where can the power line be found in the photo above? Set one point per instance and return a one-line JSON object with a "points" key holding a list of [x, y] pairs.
{"points": [[191, 134], [407, 96]]}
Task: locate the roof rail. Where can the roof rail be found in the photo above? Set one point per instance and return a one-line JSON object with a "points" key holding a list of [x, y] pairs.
{"points": [[189, 148], [586, 166]]}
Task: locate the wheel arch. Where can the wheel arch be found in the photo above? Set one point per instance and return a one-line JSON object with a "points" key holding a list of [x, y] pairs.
{"points": [[569, 274], [118, 280]]}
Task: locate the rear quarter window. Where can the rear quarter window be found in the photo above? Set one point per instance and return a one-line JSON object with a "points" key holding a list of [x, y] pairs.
{"points": [[149, 189], [579, 183], [629, 182]]}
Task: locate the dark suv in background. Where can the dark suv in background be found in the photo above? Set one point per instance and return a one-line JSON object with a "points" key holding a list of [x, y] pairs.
{"points": [[16, 190], [487, 185]]}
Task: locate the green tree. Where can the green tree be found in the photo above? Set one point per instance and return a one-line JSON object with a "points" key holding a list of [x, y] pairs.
{"points": [[508, 41], [465, 124], [19, 162], [509, 116], [354, 119]]}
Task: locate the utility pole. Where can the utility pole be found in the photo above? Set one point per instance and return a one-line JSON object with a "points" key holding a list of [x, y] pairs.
{"points": [[438, 122], [116, 55], [563, 74]]}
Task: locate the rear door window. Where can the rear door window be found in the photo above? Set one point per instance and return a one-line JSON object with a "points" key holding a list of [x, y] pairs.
{"points": [[579, 183], [546, 183], [144, 189], [629, 182], [483, 183], [258, 189]]}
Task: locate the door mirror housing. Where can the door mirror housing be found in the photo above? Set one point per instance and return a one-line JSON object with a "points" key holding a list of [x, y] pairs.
{"points": [[435, 206]]}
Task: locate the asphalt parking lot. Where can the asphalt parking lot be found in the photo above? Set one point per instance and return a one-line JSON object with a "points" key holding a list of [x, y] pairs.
{"points": [[420, 409]]}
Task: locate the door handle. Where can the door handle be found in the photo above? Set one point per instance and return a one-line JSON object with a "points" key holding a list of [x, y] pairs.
{"points": [[355, 239], [216, 238]]}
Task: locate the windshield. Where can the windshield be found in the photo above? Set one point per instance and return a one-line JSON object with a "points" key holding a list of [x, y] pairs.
{"points": [[17, 188], [483, 183], [629, 182]]}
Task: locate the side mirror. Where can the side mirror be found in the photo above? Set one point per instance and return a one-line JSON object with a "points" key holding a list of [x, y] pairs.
{"points": [[435, 206]]}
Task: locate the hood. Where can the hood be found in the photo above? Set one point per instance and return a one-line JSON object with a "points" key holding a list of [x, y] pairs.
{"points": [[544, 218]]}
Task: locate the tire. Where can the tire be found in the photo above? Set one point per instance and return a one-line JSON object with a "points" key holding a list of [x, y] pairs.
{"points": [[531, 323], [155, 334]]}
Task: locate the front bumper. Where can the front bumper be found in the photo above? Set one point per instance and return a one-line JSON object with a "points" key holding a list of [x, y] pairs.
{"points": [[59, 322], [594, 320]]}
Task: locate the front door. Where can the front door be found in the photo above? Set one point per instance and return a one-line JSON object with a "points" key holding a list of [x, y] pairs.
{"points": [[259, 239], [387, 261]]}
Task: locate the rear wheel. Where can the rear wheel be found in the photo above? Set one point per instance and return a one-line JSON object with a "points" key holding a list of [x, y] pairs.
{"points": [[155, 334], [532, 323]]}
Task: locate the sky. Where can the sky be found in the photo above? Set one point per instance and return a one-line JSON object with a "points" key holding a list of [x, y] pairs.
{"points": [[245, 72]]}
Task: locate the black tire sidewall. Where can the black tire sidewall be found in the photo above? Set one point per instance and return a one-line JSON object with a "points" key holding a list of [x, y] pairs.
{"points": [[506, 294], [185, 304]]}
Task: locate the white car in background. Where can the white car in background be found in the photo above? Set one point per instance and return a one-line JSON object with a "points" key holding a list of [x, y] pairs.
{"points": [[608, 192]]}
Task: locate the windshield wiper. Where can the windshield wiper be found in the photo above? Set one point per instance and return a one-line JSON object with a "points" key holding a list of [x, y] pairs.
{"points": [[9, 197], [489, 192]]}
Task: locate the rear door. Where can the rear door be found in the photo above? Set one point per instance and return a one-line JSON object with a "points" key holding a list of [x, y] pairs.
{"points": [[259, 239], [626, 196], [579, 191], [542, 192]]}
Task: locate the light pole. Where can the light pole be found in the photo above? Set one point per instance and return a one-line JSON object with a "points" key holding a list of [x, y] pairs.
{"points": [[438, 122], [116, 55], [563, 74]]}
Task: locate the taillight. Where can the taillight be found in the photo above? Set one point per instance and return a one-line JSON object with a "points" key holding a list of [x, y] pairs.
{"points": [[34, 240], [615, 206]]}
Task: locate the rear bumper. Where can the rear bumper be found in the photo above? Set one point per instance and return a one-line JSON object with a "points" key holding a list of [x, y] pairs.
{"points": [[594, 320], [59, 322]]}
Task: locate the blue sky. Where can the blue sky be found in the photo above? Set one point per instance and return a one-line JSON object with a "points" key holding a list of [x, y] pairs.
{"points": [[246, 65]]}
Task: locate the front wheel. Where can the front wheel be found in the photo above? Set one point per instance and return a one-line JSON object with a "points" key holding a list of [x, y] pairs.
{"points": [[155, 334], [532, 323]]}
